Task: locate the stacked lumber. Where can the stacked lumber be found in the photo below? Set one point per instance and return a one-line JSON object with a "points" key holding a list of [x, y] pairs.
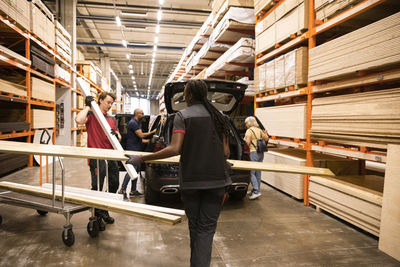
{"points": [[250, 90], [220, 7], [355, 199], [293, 184], [19, 13], [42, 23], [261, 5], [371, 47], [325, 9], [81, 139], [12, 162], [80, 101], [237, 23], [290, 17], [12, 88], [287, 120], [241, 52], [42, 60], [373, 118], [42, 118], [62, 73], [43, 90], [290, 69], [63, 41], [90, 71]]}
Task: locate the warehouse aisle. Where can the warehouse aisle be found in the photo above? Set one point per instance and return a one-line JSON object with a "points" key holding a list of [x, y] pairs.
{"points": [[274, 230]]}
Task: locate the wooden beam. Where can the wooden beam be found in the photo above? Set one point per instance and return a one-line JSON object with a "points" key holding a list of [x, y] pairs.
{"points": [[108, 154], [99, 203]]}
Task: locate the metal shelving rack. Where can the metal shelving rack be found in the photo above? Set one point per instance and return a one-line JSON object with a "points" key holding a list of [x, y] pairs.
{"points": [[314, 29]]}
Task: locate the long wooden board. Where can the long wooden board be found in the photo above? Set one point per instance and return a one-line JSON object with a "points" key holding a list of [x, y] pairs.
{"points": [[108, 154], [105, 204], [389, 241]]}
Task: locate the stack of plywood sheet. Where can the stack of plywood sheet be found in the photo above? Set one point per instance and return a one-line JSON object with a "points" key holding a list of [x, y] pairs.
{"points": [[18, 12], [290, 17], [42, 118], [42, 23], [220, 7], [12, 88], [367, 119], [287, 120], [293, 184], [41, 60], [371, 47], [42, 90], [80, 102], [62, 73], [81, 139], [63, 41], [237, 23], [241, 52], [290, 69], [325, 9], [355, 199], [260, 5], [89, 70]]}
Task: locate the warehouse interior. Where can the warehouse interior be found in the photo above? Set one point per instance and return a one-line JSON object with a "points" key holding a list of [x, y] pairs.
{"points": [[322, 77]]}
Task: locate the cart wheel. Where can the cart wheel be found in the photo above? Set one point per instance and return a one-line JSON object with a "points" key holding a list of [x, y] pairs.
{"points": [[68, 237], [1, 220], [93, 228], [42, 212]]}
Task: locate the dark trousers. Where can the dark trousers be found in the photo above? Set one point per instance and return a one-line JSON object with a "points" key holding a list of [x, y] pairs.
{"points": [[126, 181], [113, 174], [202, 207]]}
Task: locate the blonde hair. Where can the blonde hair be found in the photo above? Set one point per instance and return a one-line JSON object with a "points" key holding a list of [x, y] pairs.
{"points": [[251, 121]]}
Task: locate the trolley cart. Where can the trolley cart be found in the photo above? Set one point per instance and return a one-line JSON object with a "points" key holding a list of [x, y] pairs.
{"points": [[44, 205]]}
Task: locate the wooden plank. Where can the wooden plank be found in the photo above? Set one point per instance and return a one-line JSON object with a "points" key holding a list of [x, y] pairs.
{"points": [[12, 88], [117, 197], [94, 153], [389, 241], [99, 203], [11, 54], [43, 90], [326, 9], [42, 118]]}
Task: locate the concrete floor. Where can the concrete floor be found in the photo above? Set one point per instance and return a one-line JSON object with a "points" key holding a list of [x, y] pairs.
{"points": [[274, 230]]}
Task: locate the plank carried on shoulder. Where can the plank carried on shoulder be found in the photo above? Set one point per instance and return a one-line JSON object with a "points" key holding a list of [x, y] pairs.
{"points": [[99, 203], [108, 154]]}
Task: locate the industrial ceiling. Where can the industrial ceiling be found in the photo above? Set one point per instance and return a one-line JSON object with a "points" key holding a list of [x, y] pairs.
{"points": [[135, 34]]}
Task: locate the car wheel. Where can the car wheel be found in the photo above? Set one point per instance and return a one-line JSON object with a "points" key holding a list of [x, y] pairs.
{"points": [[150, 196], [237, 195]]}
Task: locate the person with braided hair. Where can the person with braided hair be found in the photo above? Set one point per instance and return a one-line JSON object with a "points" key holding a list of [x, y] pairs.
{"points": [[200, 136]]}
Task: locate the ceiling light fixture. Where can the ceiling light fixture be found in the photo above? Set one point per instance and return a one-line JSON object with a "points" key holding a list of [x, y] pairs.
{"points": [[159, 15], [124, 43], [154, 54], [158, 28], [131, 71], [133, 77], [155, 48], [156, 40], [161, 2], [133, 13], [128, 56], [130, 66], [118, 20]]}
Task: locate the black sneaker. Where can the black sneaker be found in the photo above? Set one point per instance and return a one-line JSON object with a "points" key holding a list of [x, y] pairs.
{"points": [[107, 218], [135, 194], [124, 194], [102, 226]]}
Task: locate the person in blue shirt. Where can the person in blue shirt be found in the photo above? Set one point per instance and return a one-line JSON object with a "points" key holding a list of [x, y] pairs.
{"points": [[134, 142]]}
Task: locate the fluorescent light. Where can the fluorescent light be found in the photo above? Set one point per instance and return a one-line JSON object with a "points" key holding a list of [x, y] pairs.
{"points": [[130, 66], [133, 77], [131, 71], [124, 43], [159, 15], [158, 28], [117, 19], [133, 13], [128, 56], [155, 48], [153, 60], [154, 54], [156, 40], [161, 2]]}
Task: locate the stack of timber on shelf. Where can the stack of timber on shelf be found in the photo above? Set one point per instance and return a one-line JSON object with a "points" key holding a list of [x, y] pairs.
{"points": [[290, 69], [42, 23], [250, 86], [262, 6], [63, 41], [237, 23], [62, 73], [220, 7], [355, 199], [369, 119], [240, 53], [43, 90], [42, 60], [371, 47], [285, 120], [18, 11], [293, 184], [81, 139], [90, 71], [42, 118], [80, 102], [12, 162], [13, 118], [325, 9], [289, 19], [12, 88]]}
